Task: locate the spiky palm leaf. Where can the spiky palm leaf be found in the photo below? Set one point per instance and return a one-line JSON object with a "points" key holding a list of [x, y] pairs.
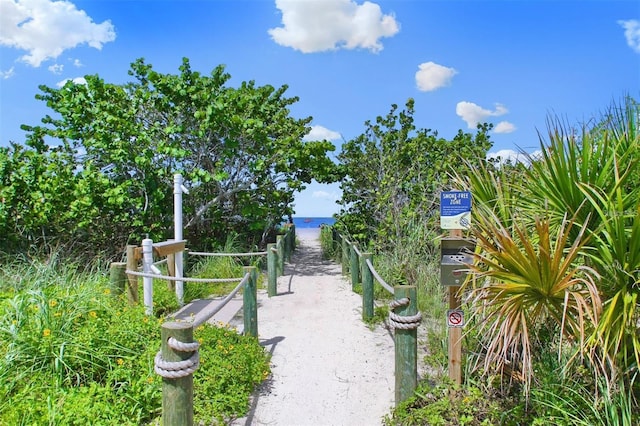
{"points": [[526, 280]]}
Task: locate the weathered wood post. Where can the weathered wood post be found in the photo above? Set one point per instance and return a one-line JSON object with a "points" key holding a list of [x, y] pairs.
{"points": [[177, 394], [132, 265], [272, 270], [455, 333], [367, 287], [286, 241], [345, 256], [117, 278], [171, 269], [250, 302], [293, 236], [354, 266], [406, 343], [280, 248]]}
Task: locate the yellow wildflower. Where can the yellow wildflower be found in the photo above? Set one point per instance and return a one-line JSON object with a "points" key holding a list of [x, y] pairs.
{"points": [[107, 291], [53, 303], [46, 332], [93, 314], [149, 379], [120, 361]]}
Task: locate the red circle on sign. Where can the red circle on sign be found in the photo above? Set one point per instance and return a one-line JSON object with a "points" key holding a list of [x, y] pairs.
{"points": [[455, 318]]}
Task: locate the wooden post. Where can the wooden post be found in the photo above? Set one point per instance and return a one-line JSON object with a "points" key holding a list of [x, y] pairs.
{"points": [[280, 247], [292, 229], [354, 267], [286, 242], [132, 265], [117, 278], [406, 343], [367, 288], [345, 256], [250, 302], [171, 269], [177, 394], [455, 333], [272, 270]]}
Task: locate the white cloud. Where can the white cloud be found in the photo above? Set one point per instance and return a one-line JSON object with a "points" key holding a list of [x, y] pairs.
{"points": [[46, 28], [504, 127], [431, 76], [77, 80], [632, 33], [318, 133], [333, 196], [504, 156], [473, 114], [77, 63], [56, 68], [317, 26], [4, 75]]}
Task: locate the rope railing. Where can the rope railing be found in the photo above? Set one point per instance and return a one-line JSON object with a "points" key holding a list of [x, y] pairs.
{"points": [[201, 319], [252, 254], [404, 317], [185, 279], [379, 278]]}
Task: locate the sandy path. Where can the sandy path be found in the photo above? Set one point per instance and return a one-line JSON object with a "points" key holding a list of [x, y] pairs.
{"points": [[328, 367]]}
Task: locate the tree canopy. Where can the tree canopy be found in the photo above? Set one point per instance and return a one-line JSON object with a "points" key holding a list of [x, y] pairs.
{"points": [[395, 172], [99, 169]]}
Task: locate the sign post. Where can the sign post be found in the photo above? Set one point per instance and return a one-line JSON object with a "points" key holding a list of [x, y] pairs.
{"points": [[455, 215]]}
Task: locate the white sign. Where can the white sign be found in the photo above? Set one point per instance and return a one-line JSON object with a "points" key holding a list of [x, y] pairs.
{"points": [[455, 318]]}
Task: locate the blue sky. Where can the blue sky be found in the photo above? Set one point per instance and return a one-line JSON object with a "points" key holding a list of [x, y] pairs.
{"points": [[511, 63]]}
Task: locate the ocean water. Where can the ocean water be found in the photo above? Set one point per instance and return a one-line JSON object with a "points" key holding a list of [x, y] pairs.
{"points": [[312, 222]]}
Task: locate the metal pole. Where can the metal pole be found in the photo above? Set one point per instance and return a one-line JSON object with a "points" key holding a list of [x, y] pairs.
{"points": [[178, 189], [147, 282]]}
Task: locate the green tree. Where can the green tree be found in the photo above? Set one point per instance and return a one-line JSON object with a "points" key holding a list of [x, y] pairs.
{"points": [[395, 172], [239, 149]]}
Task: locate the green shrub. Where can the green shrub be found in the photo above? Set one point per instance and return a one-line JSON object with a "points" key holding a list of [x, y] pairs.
{"points": [[70, 352], [443, 406]]}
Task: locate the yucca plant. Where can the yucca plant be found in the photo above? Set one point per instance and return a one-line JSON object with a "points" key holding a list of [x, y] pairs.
{"points": [[498, 188], [524, 280], [596, 176], [615, 344]]}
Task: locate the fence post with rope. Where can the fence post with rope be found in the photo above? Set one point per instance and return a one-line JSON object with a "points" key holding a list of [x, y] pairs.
{"points": [[176, 362], [354, 265], [405, 319], [367, 288], [272, 270], [280, 248], [250, 302], [344, 257]]}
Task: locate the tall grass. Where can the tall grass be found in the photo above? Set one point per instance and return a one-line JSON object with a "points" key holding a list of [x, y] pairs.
{"points": [[72, 352]]}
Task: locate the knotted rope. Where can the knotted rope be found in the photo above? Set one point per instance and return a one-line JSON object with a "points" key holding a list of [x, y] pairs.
{"points": [[403, 322], [178, 369]]}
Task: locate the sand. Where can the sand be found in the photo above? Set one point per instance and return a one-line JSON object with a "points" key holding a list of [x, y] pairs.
{"points": [[328, 367]]}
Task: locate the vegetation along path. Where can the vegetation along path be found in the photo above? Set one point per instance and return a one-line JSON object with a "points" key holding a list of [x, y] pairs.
{"points": [[328, 367]]}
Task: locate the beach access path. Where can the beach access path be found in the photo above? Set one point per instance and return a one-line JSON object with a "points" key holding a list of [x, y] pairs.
{"points": [[327, 366]]}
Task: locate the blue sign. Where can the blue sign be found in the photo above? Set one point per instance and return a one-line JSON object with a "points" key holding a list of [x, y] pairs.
{"points": [[455, 209]]}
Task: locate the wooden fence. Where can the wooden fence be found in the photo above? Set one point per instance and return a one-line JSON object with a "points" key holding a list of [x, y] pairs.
{"points": [[178, 357], [404, 317]]}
